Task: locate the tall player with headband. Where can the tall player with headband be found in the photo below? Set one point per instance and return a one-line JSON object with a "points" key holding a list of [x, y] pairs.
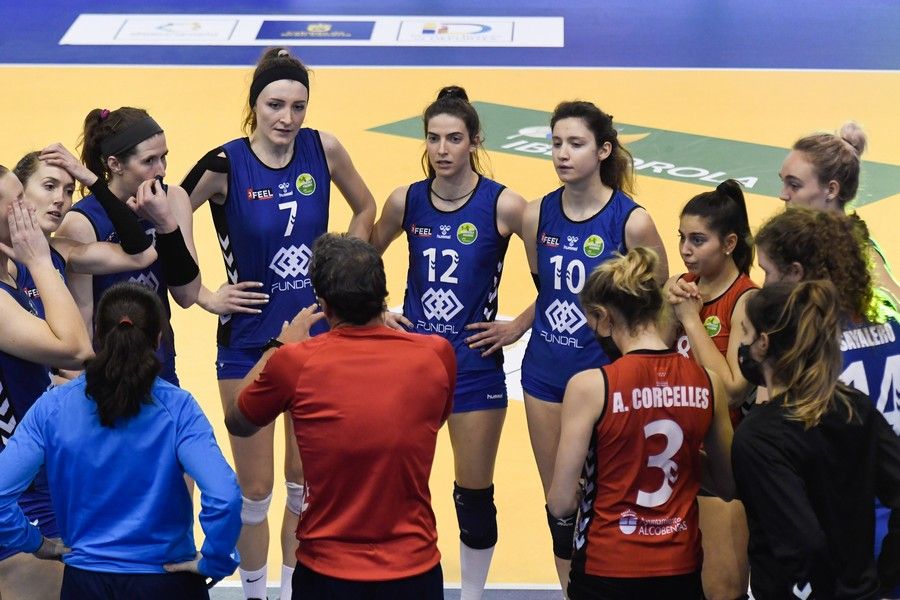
{"points": [[568, 233], [126, 150], [709, 301], [633, 431], [269, 195], [458, 224]]}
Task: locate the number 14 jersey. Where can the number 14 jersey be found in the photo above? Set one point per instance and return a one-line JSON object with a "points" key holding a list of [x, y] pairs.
{"points": [[638, 516]]}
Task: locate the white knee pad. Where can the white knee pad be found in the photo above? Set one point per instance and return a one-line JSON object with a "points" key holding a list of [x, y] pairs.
{"points": [[253, 512], [296, 497]]}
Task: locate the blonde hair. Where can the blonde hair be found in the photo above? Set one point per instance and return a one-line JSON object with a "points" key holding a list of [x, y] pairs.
{"points": [[626, 283], [802, 322], [836, 157]]}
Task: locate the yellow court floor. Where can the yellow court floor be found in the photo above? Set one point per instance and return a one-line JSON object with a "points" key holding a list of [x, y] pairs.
{"points": [[201, 107]]}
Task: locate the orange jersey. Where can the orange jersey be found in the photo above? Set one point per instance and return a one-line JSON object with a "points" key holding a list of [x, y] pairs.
{"points": [[638, 516], [716, 314], [716, 317]]}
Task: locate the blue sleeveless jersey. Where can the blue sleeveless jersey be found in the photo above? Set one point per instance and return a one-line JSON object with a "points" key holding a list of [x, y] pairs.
{"points": [[266, 229], [562, 343], [871, 354], [25, 282], [150, 277], [455, 264]]}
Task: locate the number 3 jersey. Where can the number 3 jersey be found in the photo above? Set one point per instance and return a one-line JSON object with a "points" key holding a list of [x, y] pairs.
{"points": [[562, 343], [455, 264], [266, 229], [638, 515]]}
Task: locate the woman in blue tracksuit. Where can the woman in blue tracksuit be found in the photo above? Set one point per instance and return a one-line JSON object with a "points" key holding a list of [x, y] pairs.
{"points": [[125, 516]]}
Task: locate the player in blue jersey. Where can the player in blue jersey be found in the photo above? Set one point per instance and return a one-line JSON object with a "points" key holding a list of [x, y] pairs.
{"points": [[269, 194], [802, 244], [126, 149], [822, 172], [27, 343], [49, 188], [568, 233], [458, 224]]}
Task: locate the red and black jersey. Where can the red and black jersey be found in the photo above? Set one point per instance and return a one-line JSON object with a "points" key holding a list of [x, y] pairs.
{"points": [[638, 516], [716, 318]]}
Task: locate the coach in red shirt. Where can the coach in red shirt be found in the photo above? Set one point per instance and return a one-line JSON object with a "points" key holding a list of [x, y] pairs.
{"points": [[367, 403]]}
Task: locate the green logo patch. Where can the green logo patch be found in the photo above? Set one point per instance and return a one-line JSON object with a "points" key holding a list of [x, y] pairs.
{"points": [[661, 153], [306, 184], [713, 325], [593, 246], [467, 233]]}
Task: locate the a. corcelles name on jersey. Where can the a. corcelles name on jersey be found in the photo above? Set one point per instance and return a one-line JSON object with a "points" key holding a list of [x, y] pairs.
{"points": [[677, 396]]}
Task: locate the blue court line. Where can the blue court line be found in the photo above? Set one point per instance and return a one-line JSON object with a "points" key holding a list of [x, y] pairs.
{"points": [[737, 34]]}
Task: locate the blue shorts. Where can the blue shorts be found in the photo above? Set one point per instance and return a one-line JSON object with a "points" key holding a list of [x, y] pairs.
{"points": [[235, 363], [37, 507], [481, 390], [542, 390], [79, 583]]}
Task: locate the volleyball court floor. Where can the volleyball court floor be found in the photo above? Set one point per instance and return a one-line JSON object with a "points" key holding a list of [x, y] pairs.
{"points": [[698, 96]]}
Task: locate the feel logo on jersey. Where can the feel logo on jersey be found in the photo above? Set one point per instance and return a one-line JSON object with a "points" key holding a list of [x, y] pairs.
{"points": [[551, 241], [467, 233], [420, 231], [306, 184], [593, 246], [713, 325], [262, 194]]}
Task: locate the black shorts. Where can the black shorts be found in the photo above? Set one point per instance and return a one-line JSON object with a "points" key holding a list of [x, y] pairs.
{"points": [[79, 584], [673, 587], [309, 585]]}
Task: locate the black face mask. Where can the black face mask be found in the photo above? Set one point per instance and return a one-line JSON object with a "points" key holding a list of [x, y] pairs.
{"points": [[609, 347], [751, 368]]}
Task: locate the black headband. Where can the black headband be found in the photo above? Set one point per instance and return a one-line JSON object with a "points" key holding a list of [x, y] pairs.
{"points": [[277, 73], [129, 137]]}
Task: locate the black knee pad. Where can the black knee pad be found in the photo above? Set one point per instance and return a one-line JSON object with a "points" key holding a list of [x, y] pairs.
{"points": [[477, 517]]}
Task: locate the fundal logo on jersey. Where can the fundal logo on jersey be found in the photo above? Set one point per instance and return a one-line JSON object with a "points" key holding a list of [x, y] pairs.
{"points": [[564, 316], [440, 304], [291, 261], [571, 241], [285, 190], [263, 194], [148, 280], [445, 232]]}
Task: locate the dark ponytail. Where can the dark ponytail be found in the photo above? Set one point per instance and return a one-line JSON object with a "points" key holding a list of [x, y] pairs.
{"points": [[119, 378], [725, 212], [100, 124]]}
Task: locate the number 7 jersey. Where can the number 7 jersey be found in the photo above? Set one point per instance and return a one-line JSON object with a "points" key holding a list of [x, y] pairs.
{"points": [[455, 264], [266, 229]]}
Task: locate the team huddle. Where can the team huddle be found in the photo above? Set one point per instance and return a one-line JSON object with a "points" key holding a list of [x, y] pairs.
{"points": [[696, 435]]}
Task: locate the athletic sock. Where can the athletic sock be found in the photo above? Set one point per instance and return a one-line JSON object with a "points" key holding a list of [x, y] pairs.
{"points": [[254, 582], [287, 573], [474, 565]]}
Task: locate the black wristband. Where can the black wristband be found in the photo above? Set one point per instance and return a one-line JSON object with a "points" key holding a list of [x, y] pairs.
{"points": [[273, 343], [178, 266], [563, 533], [132, 237]]}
